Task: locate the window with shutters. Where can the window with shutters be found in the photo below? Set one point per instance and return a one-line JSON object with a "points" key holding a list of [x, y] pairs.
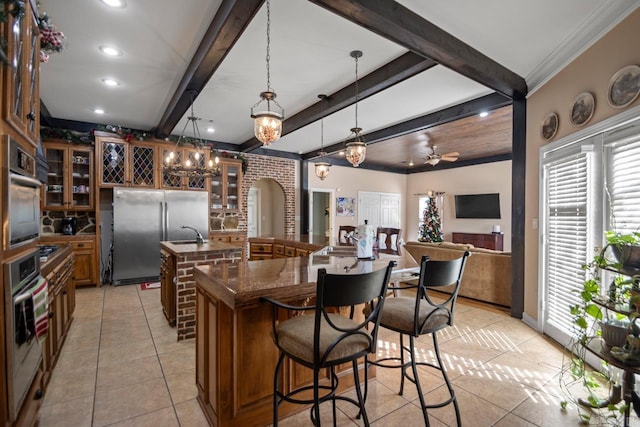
{"points": [[587, 186]]}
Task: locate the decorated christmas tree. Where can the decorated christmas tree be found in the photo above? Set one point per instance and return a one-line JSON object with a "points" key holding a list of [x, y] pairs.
{"points": [[431, 227]]}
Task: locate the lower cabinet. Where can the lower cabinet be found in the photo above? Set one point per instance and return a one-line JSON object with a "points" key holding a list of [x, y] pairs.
{"points": [[62, 303], [168, 286], [86, 268], [268, 248]]}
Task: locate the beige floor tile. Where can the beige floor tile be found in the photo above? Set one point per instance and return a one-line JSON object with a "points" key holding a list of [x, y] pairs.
{"points": [[465, 353], [391, 379], [406, 416], [66, 386], [81, 343], [119, 404], [124, 337], [167, 343], [474, 410], [177, 361], [380, 401], [78, 360], [115, 354], [500, 391], [515, 367], [511, 420], [190, 414], [326, 418], [128, 373], [544, 410], [182, 385], [165, 417], [542, 349], [76, 412]]}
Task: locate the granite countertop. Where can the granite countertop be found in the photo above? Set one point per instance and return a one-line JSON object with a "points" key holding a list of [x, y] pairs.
{"points": [[242, 284], [209, 246], [313, 240]]}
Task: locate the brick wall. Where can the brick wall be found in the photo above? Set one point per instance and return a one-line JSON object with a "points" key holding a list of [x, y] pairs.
{"points": [[280, 170], [186, 288]]}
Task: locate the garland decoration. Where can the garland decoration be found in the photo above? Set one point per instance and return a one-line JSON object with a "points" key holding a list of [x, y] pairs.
{"points": [[50, 38], [127, 134], [71, 136]]}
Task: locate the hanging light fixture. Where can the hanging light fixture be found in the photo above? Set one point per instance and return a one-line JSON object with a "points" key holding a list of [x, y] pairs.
{"points": [[356, 149], [322, 167], [196, 168], [267, 124]]}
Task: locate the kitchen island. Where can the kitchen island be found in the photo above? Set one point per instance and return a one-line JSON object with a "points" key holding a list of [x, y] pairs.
{"points": [[177, 294], [235, 356]]}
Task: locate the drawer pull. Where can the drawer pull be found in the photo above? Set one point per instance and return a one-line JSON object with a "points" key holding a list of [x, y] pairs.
{"points": [[81, 245], [51, 314]]}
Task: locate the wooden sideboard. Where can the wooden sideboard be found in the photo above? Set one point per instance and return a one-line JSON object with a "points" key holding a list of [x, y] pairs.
{"points": [[488, 241]]}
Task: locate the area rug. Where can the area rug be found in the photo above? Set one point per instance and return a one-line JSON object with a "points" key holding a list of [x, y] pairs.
{"points": [[149, 285]]}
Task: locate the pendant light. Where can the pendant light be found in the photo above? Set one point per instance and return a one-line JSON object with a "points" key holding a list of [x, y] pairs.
{"points": [[356, 149], [267, 124], [174, 166], [322, 167]]}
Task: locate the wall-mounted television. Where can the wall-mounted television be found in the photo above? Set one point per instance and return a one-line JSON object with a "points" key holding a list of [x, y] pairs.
{"points": [[478, 206]]}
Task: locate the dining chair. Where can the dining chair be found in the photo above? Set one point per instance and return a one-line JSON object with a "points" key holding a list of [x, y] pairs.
{"points": [[388, 239], [328, 337], [343, 234], [418, 315]]}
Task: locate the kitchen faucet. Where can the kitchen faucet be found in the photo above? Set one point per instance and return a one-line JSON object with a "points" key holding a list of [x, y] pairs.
{"points": [[199, 238]]}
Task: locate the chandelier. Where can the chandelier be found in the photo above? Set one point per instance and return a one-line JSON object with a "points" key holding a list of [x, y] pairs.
{"points": [[356, 149], [196, 167], [322, 167], [267, 124]]}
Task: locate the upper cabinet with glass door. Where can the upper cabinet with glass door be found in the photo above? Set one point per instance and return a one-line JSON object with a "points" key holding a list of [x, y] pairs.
{"points": [[21, 76], [226, 189], [126, 164], [70, 177], [180, 154]]}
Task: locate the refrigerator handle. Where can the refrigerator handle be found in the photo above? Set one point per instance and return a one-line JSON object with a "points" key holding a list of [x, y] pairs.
{"points": [[163, 227], [166, 221]]}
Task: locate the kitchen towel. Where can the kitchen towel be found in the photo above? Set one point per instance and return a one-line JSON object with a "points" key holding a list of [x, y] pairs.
{"points": [[39, 294]]}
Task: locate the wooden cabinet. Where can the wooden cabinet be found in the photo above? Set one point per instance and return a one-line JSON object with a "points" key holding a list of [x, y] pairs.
{"points": [[70, 177], [124, 164], [84, 248], [21, 78], [488, 241], [61, 308], [168, 286], [239, 237], [226, 189], [258, 251], [169, 181]]}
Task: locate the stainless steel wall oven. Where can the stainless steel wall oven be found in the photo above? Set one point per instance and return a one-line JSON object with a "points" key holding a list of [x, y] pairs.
{"points": [[22, 204], [21, 273]]}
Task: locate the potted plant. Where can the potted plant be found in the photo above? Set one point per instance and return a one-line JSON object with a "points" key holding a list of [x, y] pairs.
{"points": [[591, 321], [625, 248]]}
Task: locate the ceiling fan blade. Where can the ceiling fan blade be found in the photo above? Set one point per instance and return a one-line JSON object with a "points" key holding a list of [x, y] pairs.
{"points": [[448, 158], [451, 154]]}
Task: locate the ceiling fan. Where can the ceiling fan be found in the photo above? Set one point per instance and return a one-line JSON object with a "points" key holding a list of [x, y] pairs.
{"points": [[434, 158]]}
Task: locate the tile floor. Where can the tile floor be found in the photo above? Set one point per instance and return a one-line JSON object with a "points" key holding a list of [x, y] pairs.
{"points": [[122, 366]]}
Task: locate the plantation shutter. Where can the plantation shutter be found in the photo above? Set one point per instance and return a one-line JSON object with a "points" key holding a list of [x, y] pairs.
{"points": [[566, 239], [623, 182]]}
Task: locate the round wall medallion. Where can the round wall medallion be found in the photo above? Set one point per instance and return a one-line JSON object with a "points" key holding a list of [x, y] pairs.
{"points": [[582, 109], [549, 126], [624, 86]]}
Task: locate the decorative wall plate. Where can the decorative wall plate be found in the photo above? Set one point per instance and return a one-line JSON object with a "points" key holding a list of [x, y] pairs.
{"points": [[549, 126], [582, 109], [624, 86]]}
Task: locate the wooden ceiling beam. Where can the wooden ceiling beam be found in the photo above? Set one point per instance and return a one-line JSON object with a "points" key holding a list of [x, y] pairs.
{"points": [[230, 21], [399, 24], [401, 68], [460, 111]]}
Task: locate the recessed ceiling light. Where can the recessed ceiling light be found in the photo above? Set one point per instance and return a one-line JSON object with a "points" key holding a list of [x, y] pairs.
{"points": [[111, 82], [411, 163], [210, 130], [110, 51], [484, 114], [115, 3], [98, 110]]}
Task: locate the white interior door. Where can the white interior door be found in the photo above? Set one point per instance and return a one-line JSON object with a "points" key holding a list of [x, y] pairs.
{"points": [[380, 209], [253, 212], [321, 223]]}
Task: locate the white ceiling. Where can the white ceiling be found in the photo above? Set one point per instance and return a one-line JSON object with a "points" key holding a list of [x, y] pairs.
{"points": [[309, 55]]}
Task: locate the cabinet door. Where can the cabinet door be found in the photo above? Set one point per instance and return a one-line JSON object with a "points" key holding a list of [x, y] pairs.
{"points": [[215, 192], [84, 272], [22, 104], [170, 181], [143, 166], [80, 190], [232, 175], [112, 170], [53, 193]]}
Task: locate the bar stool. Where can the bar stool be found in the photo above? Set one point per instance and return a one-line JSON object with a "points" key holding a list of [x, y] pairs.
{"points": [[419, 315], [328, 338]]}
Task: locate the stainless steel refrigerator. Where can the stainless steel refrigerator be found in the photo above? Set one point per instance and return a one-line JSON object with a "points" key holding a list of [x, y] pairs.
{"points": [[142, 218]]}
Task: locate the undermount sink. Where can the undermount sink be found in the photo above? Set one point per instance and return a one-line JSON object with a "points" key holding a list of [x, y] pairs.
{"points": [[339, 251], [184, 242]]}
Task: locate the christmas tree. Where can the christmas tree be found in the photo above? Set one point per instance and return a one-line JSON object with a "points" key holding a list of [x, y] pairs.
{"points": [[431, 227]]}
